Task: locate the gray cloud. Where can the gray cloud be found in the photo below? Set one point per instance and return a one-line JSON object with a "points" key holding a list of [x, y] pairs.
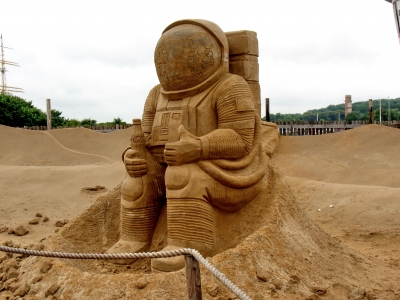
{"points": [[95, 59]]}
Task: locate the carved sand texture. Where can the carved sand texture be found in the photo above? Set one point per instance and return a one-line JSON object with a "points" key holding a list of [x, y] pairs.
{"points": [[243, 61], [190, 219], [284, 255], [139, 221], [201, 127]]}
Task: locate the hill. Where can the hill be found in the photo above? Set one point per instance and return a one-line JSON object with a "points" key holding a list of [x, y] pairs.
{"points": [[332, 112]]}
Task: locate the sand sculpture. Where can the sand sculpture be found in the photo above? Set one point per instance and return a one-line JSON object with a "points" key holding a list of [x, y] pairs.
{"points": [[198, 145]]}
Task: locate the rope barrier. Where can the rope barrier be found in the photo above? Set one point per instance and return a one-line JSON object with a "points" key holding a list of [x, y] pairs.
{"points": [[162, 254]]}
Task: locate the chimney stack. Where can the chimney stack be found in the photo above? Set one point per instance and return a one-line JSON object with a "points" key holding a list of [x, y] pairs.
{"points": [[347, 105]]}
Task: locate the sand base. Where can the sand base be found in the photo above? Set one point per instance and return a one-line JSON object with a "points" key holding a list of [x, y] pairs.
{"points": [[347, 251]]}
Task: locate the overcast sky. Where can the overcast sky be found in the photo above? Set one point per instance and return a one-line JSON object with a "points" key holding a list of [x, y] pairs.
{"points": [[94, 59]]}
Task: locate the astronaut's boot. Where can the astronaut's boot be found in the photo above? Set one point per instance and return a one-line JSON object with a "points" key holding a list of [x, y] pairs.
{"points": [[190, 225], [137, 227]]}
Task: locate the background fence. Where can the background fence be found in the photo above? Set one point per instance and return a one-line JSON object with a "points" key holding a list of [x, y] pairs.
{"points": [[318, 128], [96, 128], [285, 128]]}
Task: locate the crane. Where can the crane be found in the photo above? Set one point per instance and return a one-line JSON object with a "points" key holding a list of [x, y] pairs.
{"points": [[4, 88]]}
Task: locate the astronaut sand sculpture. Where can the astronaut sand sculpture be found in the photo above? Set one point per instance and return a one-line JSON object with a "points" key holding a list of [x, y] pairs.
{"points": [[196, 148]]}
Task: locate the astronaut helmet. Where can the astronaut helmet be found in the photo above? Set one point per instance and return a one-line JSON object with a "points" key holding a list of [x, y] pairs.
{"points": [[190, 56]]}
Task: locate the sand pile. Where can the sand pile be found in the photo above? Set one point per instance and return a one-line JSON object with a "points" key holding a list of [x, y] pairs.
{"points": [[44, 172], [368, 155], [272, 249], [60, 147], [355, 172], [285, 255]]}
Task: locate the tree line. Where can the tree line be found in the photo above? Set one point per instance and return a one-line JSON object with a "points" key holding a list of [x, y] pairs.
{"points": [[17, 112], [360, 112]]}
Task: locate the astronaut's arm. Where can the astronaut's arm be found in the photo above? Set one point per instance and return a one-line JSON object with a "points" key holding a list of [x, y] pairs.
{"points": [[234, 136], [137, 167], [149, 111], [231, 140]]}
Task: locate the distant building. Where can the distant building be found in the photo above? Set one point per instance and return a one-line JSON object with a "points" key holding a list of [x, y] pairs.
{"points": [[348, 106]]}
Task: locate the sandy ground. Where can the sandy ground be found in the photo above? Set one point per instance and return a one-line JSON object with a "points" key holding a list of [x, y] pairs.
{"points": [[366, 218], [357, 172], [47, 173], [53, 191], [347, 183]]}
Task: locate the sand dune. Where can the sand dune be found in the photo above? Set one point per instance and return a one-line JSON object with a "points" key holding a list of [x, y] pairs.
{"points": [[60, 147], [368, 155], [109, 145], [356, 171], [45, 171], [365, 218]]}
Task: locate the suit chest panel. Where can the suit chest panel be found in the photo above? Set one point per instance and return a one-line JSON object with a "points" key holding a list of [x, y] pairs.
{"points": [[195, 113]]}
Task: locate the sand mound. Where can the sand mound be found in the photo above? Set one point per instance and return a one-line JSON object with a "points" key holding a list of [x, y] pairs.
{"points": [[355, 172], [53, 191], [44, 172], [286, 256], [364, 218], [60, 147], [110, 145], [367, 155]]}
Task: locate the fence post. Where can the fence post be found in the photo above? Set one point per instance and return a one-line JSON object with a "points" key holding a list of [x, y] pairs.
{"points": [[48, 106], [193, 279], [370, 105], [267, 117]]}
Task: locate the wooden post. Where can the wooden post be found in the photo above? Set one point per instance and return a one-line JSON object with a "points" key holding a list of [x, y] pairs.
{"points": [[193, 279], [370, 111], [267, 110], [48, 105]]}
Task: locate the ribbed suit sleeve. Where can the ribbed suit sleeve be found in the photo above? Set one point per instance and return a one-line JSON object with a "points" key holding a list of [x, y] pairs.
{"points": [[149, 110], [235, 112]]}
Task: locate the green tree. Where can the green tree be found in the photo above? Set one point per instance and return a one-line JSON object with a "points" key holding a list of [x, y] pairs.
{"points": [[332, 112], [353, 116], [117, 120], [395, 114], [106, 124], [88, 122], [56, 118], [17, 112], [364, 117], [72, 123]]}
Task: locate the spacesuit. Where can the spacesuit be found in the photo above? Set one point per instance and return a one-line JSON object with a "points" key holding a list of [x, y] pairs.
{"points": [[202, 146]]}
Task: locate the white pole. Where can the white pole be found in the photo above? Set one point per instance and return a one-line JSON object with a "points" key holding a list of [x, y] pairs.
{"points": [[380, 111], [2, 70]]}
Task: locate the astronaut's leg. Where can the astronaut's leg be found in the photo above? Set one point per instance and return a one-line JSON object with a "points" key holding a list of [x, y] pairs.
{"points": [[189, 215], [141, 202]]}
